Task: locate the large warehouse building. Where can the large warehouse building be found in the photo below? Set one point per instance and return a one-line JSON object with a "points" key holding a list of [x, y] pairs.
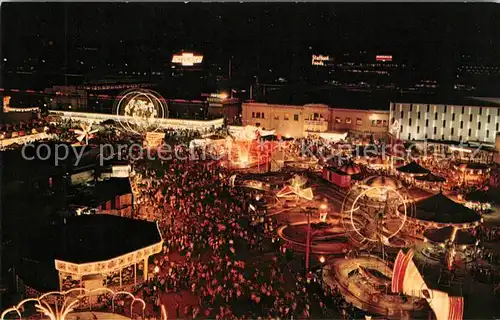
{"points": [[469, 120]]}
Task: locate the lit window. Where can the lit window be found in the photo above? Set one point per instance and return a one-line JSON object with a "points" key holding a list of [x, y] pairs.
{"points": [[348, 120]]}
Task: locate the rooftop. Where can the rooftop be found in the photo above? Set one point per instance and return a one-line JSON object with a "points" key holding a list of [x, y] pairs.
{"points": [[91, 238]]}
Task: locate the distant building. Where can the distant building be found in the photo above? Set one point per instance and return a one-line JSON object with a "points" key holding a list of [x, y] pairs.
{"points": [[470, 120], [301, 120], [66, 97]]}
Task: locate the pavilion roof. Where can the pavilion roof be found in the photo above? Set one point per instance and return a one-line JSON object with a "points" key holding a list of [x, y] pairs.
{"points": [[490, 195], [441, 209], [440, 235], [92, 238], [413, 168], [431, 178]]}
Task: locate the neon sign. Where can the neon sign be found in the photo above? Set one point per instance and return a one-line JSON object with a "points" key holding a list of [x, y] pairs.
{"points": [[187, 59], [319, 60], [383, 58]]}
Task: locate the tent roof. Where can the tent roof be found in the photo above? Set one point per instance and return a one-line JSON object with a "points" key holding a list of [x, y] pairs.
{"points": [[439, 208], [462, 237], [491, 195], [413, 168], [431, 178]]}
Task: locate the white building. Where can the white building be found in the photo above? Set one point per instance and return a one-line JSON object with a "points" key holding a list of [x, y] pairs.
{"points": [[476, 121]]}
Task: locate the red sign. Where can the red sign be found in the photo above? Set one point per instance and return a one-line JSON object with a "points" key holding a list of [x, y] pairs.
{"points": [[383, 58]]}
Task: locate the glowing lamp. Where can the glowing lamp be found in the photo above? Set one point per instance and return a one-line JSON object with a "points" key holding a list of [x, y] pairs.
{"points": [[322, 259], [157, 270]]}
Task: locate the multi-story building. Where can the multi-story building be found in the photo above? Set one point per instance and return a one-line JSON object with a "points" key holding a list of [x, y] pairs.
{"points": [[473, 120], [300, 120]]}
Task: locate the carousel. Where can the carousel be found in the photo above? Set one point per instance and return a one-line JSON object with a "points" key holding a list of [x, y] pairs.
{"points": [[483, 199], [472, 173], [91, 252], [439, 211], [430, 182], [439, 244], [411, 170]]}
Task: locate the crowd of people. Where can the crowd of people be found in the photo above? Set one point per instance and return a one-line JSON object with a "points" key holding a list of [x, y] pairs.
{"points": [[209, 223]]}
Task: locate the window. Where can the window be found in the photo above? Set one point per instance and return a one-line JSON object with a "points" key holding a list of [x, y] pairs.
{"points": [[409, 136], [479, 126], [497, 126], [453, 117], [489, 118], [444, 123], [253, 114], [286, 117], [258, 115], [428, 108], [384, 123], [487, 133], [296, 117], [401, 129], [348, 120], [257, 124], [427, 123], [461, 124], [276, 117], [442, 137], [445, 109], [463, 110], [460, 138], [337, 120], [374, 123], [498, 112], [262, 115], [359, 122], [409, 122], [435, 130], [426, 136], [452, 131], [411, 107], [418, 129], [435, 116], [315, 116], [418, 115], [402, 114], [470, 117], [470, 132], [480, 111]]}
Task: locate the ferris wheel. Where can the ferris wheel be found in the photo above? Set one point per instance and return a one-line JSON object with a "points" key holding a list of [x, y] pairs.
{"points": [[142, 110], [375, 212]]}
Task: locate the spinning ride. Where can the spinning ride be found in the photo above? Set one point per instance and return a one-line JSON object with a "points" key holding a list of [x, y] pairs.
{"points": [[141, 110], [370, 213]]}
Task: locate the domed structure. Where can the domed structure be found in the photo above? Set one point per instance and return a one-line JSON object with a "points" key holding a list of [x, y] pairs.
{"points": [[350, 169], [383, 181]]}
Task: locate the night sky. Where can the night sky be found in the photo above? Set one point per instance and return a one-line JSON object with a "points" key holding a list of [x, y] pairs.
{"points": [[273, 36]]}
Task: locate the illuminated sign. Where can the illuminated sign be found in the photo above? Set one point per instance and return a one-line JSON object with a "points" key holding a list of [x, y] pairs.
{"points": [[319, 60], [383, 58], [187, 59], [121, 171]]}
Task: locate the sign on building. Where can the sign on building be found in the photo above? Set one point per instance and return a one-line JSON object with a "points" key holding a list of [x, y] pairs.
{"points": [[187, 59]]}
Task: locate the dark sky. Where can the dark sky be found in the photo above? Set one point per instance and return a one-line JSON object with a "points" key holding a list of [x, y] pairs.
{"points": [[268, 35]]}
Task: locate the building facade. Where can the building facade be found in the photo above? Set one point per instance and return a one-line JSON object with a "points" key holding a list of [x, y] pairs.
{"points": [[300, 120], [467, 123]]}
